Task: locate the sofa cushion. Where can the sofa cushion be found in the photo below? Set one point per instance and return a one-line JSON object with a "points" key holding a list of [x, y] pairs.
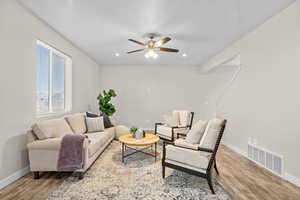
{"points": [[182, 143], [120, 130], [196, 133], [111, 130], [94, 124], [187, 156], [51, 128], [97, 140], [77, 122], [211, 133]]}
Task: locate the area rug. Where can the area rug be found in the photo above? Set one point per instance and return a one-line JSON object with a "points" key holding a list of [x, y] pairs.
{"points": [[138, 178]]}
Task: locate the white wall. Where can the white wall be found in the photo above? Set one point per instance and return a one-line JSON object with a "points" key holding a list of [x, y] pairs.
{"points": [[147, 92], [19, 31], [264, 102]]}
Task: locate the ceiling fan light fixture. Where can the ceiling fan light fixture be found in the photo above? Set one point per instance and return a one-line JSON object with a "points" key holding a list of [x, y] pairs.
{"points": [[151, 54], [153, 46]]}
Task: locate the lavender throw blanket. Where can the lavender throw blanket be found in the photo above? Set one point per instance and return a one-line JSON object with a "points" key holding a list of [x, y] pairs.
{"points": [[71, 153]]}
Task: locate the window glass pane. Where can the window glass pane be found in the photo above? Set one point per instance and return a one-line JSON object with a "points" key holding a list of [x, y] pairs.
{"points": [[58, 82], [43, 62]]}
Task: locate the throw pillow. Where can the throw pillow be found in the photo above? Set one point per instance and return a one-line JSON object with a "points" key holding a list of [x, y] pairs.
{"points": [[184, 118], [91, 115], [211, 133], [51, 128], [196, 133], [77, 122], [94, 124], [106, 120]]}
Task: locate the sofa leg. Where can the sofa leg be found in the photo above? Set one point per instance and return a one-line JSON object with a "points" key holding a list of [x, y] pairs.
{"points": [[80, 175], [36, 175]]}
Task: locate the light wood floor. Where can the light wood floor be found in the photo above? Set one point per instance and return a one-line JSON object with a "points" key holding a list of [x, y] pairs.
{"points": [[241, 178]]}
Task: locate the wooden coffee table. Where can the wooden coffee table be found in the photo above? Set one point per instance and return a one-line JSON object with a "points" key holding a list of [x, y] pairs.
{"points": [[128, 141]]}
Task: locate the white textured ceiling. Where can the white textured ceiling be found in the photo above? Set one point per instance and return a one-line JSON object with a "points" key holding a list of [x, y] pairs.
{"points": [[199, 28]]}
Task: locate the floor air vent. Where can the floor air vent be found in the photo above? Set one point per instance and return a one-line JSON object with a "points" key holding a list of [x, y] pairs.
{"points": [[266, 159]]}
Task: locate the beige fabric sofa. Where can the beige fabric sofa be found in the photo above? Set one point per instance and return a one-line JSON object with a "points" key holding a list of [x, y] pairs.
{"points": [[44, 150]]}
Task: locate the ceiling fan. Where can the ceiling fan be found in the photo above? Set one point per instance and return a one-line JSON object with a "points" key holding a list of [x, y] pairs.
{"points": [[153, 46]]}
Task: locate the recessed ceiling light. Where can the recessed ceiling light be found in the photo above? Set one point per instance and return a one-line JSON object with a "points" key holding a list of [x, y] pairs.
{"points": [[117, 54], [184, 55]]}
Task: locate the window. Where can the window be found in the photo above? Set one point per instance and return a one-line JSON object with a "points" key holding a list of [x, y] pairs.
{"points": [[53, 80]]}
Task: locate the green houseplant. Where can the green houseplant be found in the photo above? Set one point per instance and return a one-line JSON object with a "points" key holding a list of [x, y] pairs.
{"points": [[133, 130], [104, 102]]}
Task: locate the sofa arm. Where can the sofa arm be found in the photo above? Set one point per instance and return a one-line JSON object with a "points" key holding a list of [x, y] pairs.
{"points": [[50, 144], [121, 130], [47, 144]]}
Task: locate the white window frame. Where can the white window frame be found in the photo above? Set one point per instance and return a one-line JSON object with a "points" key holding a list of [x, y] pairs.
{"points": [[68, 82]]}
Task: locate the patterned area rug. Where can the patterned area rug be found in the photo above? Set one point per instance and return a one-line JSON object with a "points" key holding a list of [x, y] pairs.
{"points": [[139, 178]]}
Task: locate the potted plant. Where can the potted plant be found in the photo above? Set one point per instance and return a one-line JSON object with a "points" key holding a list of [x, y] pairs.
{"points": [[105, 107], [133, 130]]}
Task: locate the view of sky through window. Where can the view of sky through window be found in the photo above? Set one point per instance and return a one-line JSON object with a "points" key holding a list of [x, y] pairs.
{"points": [[50, 80]]}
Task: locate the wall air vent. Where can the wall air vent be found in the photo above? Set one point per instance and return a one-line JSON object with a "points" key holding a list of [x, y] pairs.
{"points": [[267, 159]]}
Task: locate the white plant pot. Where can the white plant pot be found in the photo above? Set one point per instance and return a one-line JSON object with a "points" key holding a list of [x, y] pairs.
{"points": [[139, 134]]}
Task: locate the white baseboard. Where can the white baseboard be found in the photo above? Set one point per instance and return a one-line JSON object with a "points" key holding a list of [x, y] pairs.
{"points": [[292, 179], [15, 176], [235, 149], [288, 177]]}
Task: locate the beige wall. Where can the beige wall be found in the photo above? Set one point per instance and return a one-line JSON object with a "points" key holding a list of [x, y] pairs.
{"points": [[264, 102], [18, 33]]}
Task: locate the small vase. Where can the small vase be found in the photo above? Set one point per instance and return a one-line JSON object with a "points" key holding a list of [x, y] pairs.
{"points": [[139, 134]]}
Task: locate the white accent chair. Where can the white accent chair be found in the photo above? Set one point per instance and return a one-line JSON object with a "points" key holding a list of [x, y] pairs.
{"points": [[182, 122], [196, 159]]}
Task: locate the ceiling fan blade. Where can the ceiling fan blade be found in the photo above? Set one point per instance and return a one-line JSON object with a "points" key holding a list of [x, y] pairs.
{"points": [[140, 43], [136, 51], [168, 49], [162, 41]]}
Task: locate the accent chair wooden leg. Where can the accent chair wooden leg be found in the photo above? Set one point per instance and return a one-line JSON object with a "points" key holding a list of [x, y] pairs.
{"points": [[210, 184], [36, 175], [163, 171], [215, 166]]}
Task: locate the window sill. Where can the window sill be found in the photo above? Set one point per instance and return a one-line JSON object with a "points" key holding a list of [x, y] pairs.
{"points": [[52, 115]]}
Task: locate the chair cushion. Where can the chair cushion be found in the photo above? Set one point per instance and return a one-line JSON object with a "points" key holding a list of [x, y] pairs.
{"points": [[197, 159], [97, 140], [77, 122], [211, 133], [182, 143], [94, 124], [166, 131], [196, 133], [51, 128]]}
